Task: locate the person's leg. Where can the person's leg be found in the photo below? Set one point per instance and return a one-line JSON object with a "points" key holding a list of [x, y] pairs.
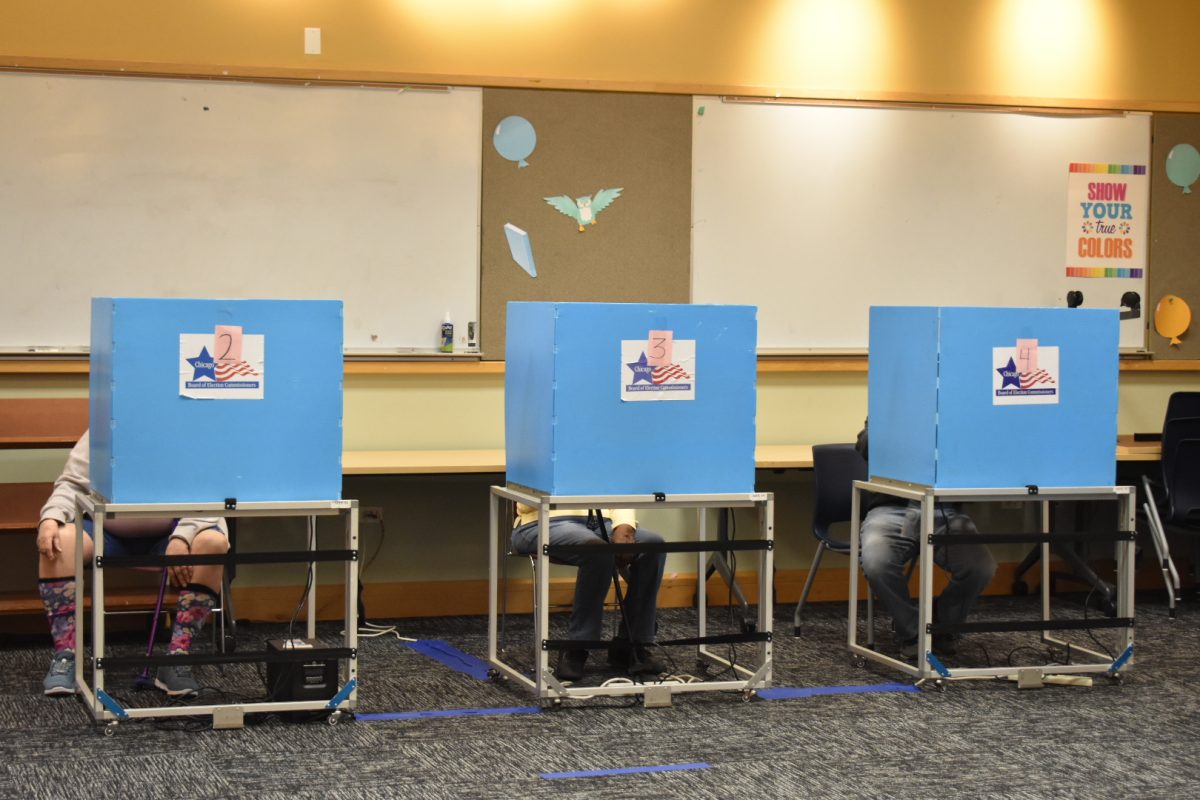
{"points": [[887, 540], [196, 602], [591, 583], [971, 568], [645, 577], [56, 585]]}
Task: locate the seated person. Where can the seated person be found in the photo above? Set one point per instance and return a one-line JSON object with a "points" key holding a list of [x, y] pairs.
{"points": [[889, 538], [198, 586], [629, 650]]}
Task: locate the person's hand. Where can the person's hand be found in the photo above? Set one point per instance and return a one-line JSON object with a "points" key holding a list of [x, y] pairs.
{"points": [[181, 576], [48, 544], [624, 534]]}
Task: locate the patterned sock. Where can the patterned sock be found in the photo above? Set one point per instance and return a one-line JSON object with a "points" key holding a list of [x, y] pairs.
{"points": [[195, 603], [58, 596]]}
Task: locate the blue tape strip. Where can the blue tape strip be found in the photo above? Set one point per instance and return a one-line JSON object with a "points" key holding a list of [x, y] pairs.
{"points": [[343, 694], [1121, 659], [112, 705], [602, 773], [937, 665], [452, 712], [452, 657], [786, 693]]}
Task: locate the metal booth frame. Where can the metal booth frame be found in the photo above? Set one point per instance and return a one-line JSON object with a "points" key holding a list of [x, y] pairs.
{"points": [[101, 704], [928, 668], [543, 683]]}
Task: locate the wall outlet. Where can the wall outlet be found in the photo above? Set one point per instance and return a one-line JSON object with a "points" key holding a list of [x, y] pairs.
{"points": [[371, 512]]}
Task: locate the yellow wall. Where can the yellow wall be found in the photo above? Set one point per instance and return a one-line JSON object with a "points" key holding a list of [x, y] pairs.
{"points": [[1111, 53]]}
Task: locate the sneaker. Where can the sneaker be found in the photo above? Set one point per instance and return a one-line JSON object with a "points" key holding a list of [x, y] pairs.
{"points": [[570, 665], [176, 681], [908, 650], [60, 678]]}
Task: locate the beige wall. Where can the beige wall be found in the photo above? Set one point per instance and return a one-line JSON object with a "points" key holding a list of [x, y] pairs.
{"points": [[434, 528], [1110, 53]]}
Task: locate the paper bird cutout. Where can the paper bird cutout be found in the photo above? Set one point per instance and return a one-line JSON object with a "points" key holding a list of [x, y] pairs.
{"points": [[584, 209]]}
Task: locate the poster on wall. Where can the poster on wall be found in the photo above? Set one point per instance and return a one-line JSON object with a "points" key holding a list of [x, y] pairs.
{"points": [[1107, 209]]}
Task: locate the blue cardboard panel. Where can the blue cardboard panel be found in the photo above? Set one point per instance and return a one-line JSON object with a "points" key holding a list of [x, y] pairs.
{"points": [[529, 393], [1067, 442], [902, 393], [600, 443], [1019, 396], [162, 447]]}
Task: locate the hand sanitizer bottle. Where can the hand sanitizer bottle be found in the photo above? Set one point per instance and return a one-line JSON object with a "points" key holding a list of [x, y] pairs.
{"points": [[447, 345]]}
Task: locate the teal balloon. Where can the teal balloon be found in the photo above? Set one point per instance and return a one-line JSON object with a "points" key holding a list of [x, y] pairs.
{"points": [[1183, 166], [515, 139]]}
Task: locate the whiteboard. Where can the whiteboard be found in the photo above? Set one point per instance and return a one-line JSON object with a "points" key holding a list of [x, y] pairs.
{"points": [[187, 188], [816, 213]]}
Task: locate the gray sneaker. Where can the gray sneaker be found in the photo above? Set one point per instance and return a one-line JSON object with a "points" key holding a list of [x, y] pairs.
{"points": [[176, 681], [60, 678]]}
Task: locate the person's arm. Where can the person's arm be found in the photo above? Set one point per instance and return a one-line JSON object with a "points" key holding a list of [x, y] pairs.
{"points": [[59, 508], [624, 525], [71, 484]]}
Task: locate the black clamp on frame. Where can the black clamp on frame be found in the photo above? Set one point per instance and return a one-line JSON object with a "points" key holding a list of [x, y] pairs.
{"points": [[1031, 488], [230, 503], [660, 497]]}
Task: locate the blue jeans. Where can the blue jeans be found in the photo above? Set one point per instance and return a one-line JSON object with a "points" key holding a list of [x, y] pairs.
{"points": [[595, 576], [889, 538]]}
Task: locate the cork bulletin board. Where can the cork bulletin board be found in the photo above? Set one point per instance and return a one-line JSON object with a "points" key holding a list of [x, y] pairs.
{"points": [[638, 250], [1174, 236]]}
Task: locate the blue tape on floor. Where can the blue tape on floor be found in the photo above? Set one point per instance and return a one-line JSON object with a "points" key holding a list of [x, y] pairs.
{"points": [[452, 712], [784, 693], [601, 773], [452, 657]]}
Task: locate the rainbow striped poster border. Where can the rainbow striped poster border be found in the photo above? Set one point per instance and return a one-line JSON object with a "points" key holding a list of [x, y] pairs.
{"points": [[1104, 272], [1110, 169]]}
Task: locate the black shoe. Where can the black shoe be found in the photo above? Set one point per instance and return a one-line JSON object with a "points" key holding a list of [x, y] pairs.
{"points": [[945, 645], [570, 665], [643, 662]]}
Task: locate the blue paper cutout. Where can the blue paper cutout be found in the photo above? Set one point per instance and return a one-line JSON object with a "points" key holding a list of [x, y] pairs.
{"points": [[515, 139], [584, 209], [1183, 166], [521, 249]]}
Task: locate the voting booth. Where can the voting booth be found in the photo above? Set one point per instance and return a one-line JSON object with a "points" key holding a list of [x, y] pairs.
{"points": [[993, 397], [204, 400], [218, 408], [630, 398]]}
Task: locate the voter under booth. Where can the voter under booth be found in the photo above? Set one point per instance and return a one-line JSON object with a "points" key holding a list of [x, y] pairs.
{"points": [[217, 408], [996, 404], [631, 406]]}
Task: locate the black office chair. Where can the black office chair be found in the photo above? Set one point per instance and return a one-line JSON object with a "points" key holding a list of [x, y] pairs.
{"points": [[1175, 507], [835, 466]]}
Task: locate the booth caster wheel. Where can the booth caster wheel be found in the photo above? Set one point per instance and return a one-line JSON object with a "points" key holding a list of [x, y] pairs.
{"points": [[335, 717], [939, 686], [110, 728], [858, 661], [748, 695], [1117, 678]]}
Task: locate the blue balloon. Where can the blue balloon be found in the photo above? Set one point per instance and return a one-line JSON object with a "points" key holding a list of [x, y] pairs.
{"points": [[515, 139], [1183, 166]]}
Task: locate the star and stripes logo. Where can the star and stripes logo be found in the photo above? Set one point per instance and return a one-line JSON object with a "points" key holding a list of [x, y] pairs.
{"points": [[202, 375], [1025, 375], [641, 380]]}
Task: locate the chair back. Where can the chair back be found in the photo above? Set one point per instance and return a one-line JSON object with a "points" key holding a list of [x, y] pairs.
{"points": [[1181, 469], [1182, 404], [835, 466]]}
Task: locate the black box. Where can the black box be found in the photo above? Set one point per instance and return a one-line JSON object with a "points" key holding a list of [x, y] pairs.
{"points": [[315, 679]]}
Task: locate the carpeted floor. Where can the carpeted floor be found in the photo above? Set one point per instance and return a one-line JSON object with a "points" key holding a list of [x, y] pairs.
{"points": [[1138, 738]]}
